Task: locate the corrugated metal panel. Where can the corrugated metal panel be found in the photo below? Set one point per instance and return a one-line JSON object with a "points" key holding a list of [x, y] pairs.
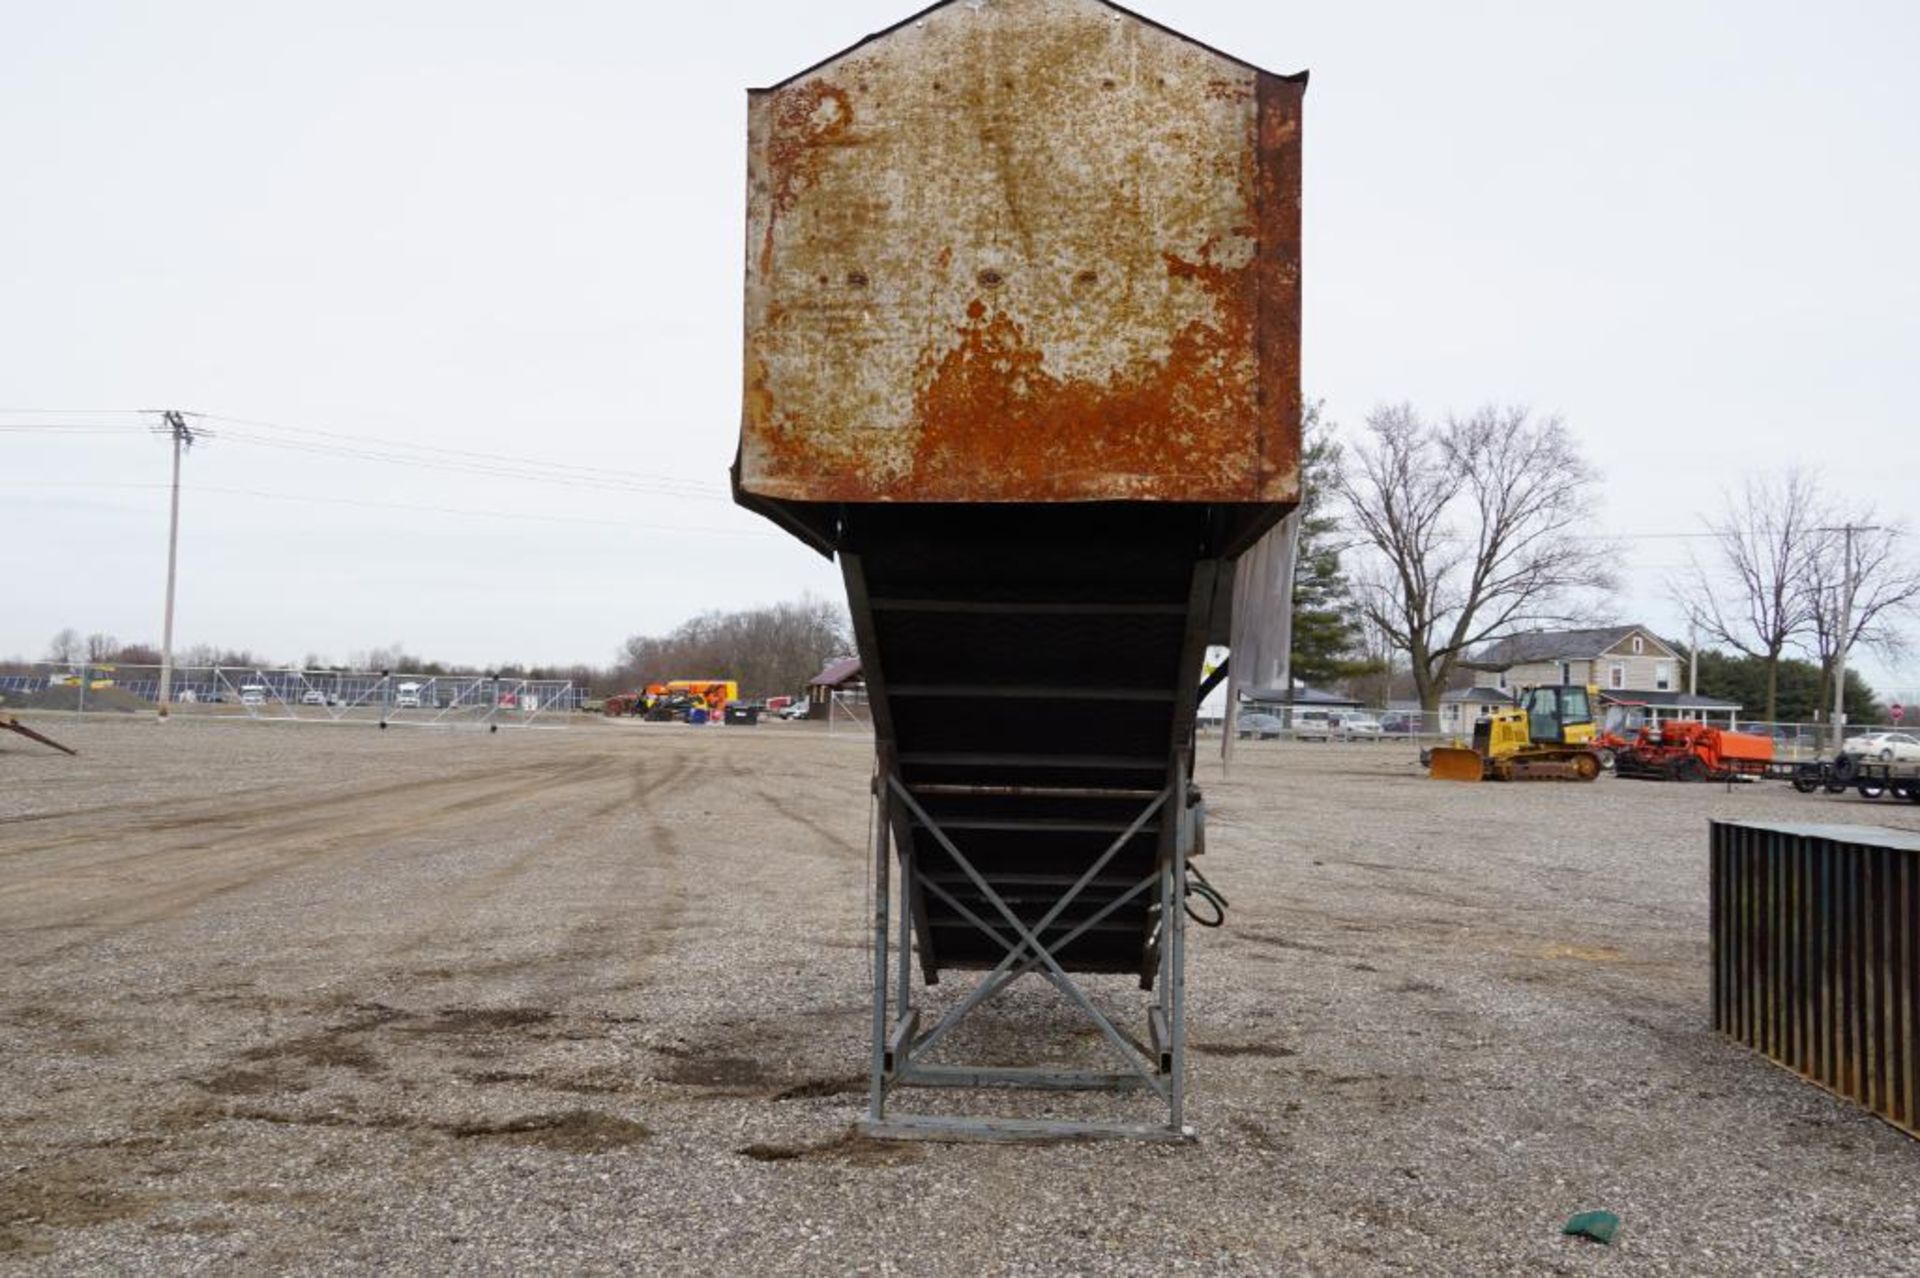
{"points": [[1816, 955], [1024, 250]]}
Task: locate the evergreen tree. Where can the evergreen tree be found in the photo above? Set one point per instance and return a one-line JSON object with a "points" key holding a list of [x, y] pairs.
{"points": [[1800, 695], [1326, 624]]}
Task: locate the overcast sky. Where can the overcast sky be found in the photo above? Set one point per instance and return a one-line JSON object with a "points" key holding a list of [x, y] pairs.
{"points": [[515, 230]]}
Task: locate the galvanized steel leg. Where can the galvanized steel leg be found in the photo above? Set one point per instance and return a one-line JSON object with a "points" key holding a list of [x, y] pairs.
{"points": [[882, 836], [903, 994], [904, 988], [1177, 945]]}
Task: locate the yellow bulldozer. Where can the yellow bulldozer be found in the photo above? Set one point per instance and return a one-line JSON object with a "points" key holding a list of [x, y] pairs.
{"points": [[1547, 736]]}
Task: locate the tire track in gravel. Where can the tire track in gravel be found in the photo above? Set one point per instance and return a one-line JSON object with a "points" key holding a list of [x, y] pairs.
{"points": [[826, 839], [556, 986], [250, 856], [455, 912], [139, 821], [656, 919]]}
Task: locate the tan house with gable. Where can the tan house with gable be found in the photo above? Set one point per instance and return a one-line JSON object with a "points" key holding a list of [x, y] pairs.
{"points": [[1630, 665], [1612, 659]]}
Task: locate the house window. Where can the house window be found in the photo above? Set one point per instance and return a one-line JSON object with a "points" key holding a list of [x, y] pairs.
{"points": [[1617, 675], [1663, 676], [1500, 680], [1639, 645]]}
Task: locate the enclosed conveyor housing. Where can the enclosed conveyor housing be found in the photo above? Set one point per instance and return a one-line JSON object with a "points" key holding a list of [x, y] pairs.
{"points": [[1022, 350]]}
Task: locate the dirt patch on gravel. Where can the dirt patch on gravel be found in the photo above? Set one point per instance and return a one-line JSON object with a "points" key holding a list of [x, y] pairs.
{"points": [[812, 1088], [61, 1195], [848, 1147], [578, 1131], [1273, 1050], [476, 1020]]}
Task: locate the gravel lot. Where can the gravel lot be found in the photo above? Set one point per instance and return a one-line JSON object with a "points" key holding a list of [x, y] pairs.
{"points": [[315, 997]]}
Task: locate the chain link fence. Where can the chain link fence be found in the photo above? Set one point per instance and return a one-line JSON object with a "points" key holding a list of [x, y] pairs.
{"points": [[1791, 741], [398, 698]]}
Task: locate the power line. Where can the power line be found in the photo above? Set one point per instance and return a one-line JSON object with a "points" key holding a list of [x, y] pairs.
{"points": [[456, 452], [532, 472], [399, 452], [63, 428], [386, 505]]}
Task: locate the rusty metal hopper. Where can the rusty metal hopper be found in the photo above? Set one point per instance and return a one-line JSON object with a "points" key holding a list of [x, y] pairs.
{"points": [[1022, 349]]}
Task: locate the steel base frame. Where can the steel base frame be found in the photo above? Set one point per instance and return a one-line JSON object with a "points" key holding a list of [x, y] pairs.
{"points": [[899, 1042]]}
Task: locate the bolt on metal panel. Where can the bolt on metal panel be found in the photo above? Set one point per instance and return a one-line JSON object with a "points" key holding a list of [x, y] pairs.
{"points": [[1023, 250]]}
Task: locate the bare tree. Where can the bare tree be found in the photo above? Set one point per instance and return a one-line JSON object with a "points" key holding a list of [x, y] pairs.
{"points": [[768, 650], [1475, 531], [102, 647], [65, 648], [1752, 594], [1885, 585]]}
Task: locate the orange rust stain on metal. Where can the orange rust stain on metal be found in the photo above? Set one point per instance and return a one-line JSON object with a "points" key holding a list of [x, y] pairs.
{"points": [[811, 117], [809, 120], [991, 396]]}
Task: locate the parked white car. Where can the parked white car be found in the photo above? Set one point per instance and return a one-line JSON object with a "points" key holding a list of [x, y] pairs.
{"points": [[1314, 725], [406, 697], [1360, 727], [1335, 725], [253, 694], [313, 697], [1888, 747]]}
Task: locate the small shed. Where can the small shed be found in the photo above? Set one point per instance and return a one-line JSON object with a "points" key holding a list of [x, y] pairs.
{"points": [[842, 677], [1460, 708]]}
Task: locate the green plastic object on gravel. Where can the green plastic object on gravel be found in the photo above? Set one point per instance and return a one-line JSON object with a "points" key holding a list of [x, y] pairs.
{"points": [[1597, 1225]]}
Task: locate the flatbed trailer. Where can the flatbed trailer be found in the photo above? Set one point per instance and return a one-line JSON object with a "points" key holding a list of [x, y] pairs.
{"points": [[1870, 778]]}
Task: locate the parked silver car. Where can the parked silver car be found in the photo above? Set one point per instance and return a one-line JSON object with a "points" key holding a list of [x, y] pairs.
{"points": [[1264, 727], [1359, 727]]}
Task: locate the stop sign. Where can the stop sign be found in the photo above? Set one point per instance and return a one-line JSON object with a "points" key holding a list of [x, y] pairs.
{"points": [[1896, 711]]}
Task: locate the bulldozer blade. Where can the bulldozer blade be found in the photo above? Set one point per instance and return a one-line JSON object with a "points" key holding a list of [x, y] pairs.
{"points": [[9, 722], [1454, 763]]}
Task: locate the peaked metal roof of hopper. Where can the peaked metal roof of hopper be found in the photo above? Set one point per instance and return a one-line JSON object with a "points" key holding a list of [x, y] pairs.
{"points": [[1122, 10]]}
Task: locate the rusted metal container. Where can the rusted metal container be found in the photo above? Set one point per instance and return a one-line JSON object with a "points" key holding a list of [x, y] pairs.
{"points": [[1023, 251], [1022, 350], [1816, 955]]}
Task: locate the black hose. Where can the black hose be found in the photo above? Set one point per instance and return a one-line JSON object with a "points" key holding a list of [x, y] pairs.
{"points": [[1197, 885]]}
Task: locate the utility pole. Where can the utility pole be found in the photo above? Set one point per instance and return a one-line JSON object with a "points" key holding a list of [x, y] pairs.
{"points": [[174, 424], [1845, 633]]}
